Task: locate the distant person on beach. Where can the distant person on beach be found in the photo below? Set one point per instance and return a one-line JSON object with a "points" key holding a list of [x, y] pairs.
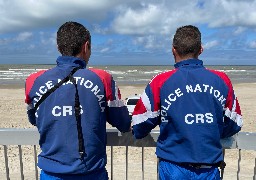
{"points": [[70, 106], [194, 107]]}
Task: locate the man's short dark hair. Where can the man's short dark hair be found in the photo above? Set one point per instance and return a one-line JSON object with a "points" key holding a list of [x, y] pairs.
{"points": [[71, 36], [187, 41]]}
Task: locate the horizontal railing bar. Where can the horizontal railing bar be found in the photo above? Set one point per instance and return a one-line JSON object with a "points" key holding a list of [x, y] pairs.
{"points": [[12, 136], [6, 163], [246, 141]]}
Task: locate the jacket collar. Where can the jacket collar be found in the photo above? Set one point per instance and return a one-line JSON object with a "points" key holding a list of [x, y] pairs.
{"points": [[70, 61], [189, 62]]}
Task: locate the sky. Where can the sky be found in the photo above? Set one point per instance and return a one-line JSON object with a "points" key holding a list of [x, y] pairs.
{"points": [[132, 32]]}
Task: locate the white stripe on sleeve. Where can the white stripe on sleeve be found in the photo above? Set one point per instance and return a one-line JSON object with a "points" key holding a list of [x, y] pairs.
{"points": [[234, 104], [116, 91], [140, 118], [237, 118], [146, 101]]}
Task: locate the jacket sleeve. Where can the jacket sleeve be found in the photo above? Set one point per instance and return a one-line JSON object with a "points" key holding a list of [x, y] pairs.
{"points": [[28, 100], [30, 107], [233, 121], [116, 111], [31, 115], [146, 115]]}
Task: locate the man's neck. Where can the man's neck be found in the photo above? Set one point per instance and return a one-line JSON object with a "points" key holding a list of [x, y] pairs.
{"points": [[183, 58]]}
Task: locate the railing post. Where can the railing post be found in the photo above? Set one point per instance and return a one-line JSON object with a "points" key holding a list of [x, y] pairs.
{"points": [[21, 163], [157, 169], [238, 166], [142, 158], [126, 157], [35, 159], [254, 177], [111, 162], [6, 163]]}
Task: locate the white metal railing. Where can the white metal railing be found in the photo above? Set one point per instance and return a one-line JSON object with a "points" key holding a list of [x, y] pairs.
{"points": [[21, 137]]}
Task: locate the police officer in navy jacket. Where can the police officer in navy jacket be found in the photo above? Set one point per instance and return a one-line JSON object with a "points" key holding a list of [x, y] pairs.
{"points": [[70, 105], [194, 108]]}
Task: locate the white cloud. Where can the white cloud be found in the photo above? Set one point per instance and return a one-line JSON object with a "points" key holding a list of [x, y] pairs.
{"points": [[48, 38], [98, 29], [31, 47], [126, 17], [139, 40], [149, 24], [23, 36], [211, 44], [166, 16], [221, 13], [162, 18], [150, 42], [22, 15], [104, 50], [239, 30], [145, 20], [252, 44]]}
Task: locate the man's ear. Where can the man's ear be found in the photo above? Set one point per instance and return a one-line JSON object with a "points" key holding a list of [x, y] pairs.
{"points": [[87, 46], [201, 50], [174, 52]]}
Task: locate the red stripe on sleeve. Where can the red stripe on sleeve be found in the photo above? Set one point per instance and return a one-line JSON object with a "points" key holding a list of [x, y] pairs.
{"points": [[225, 78], [29, 84], [106, 78], [238, 109], [139, 108], [156, 85]]}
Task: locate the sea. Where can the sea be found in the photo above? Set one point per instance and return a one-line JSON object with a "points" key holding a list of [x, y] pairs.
{"points": [[16, 74]]}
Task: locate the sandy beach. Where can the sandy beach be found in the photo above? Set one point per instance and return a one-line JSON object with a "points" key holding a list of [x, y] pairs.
{"points": [[13, 115]]}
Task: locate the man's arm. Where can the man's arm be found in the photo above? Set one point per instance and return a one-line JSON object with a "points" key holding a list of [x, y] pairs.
{"points": [[28, 86], [116, 111], [233, 121], [30, 107], [146, 114], [31, 114]]}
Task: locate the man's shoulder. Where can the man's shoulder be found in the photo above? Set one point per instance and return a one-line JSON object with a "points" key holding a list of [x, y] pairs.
{"points": [[35, 75], [221, 74], [163, 76], [100, 72], [218, 72]]}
